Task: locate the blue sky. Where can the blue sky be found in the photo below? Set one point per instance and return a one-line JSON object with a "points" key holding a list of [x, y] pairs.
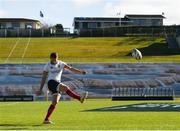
{"points": [[63, 11]]}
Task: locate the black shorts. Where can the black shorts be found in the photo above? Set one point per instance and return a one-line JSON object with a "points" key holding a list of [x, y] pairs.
{"points": [[53, 87]]}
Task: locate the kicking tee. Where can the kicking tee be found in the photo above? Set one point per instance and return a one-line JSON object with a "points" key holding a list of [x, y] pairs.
{"points": [[54, 70]]}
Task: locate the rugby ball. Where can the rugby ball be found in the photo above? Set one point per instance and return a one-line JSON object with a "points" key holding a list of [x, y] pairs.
{"points": [[136, 54]]}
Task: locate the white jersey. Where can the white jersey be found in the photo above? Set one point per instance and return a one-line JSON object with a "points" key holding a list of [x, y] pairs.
{"points": [[54, 70]]}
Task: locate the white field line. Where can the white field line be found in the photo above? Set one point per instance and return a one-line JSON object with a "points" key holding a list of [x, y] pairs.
{"points": [[96, 130], [12, 50], [25, 49]]}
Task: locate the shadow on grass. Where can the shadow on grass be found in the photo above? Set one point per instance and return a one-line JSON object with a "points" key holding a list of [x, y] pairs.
{"points": [[15, 126], [159, 49], [155, 49], [141, 107]]}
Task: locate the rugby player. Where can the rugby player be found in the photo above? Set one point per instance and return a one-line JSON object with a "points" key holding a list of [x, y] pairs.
{"points": [[53, 72]]}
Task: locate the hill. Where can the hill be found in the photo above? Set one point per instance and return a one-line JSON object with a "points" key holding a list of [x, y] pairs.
{"points": [[37, 50]]}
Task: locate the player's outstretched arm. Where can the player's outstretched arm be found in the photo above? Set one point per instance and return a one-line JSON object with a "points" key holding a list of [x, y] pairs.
{"points": [[43, 80], [75, 70]]}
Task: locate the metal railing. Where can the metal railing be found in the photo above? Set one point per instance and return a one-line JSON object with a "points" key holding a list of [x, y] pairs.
{"points": [[166, 91], [19, 32]]}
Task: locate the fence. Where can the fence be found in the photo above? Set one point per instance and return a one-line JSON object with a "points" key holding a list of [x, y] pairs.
{"points": [[129, 31], [143, 93], [33, 32], [99, 32]]}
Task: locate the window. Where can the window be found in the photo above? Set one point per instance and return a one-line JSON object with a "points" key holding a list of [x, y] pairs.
{"points": [[156, 22], [29, 25], [142, 22], [2, 25], [109, 24], [92, 25], [76, 25], [16, 25], [84, 25]]}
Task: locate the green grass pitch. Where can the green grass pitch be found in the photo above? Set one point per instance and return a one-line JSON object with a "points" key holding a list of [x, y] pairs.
{"points": [[72, 115], [37, 50]]}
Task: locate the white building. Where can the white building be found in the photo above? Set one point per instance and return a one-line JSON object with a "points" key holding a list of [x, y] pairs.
{"points": [[19, 23]]}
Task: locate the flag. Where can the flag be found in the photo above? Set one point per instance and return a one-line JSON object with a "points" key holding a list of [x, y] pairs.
{"points": [[41, 14]]}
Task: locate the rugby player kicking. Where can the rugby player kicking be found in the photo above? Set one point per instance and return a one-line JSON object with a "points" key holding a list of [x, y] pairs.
{"points": [[53, 71]]}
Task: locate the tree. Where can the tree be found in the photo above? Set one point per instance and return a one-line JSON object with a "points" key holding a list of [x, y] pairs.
{"points": [[59, 27]]}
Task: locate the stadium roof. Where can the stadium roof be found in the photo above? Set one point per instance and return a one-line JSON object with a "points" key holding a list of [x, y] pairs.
{"points": [[17, 20], [135, 16]]}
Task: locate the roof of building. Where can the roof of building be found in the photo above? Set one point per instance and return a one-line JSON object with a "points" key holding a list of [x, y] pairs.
{"points": [[96, 19], [114, 19], [17, 20], [134, 16]]}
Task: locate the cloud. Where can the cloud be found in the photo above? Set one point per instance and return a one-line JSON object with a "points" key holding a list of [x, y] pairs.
{"points": [[169, 7], [85, 3]]}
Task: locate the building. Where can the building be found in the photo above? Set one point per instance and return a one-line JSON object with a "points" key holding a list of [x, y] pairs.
{"points": [[128, 20], [17, 23], [145, 20], [98, 22]]}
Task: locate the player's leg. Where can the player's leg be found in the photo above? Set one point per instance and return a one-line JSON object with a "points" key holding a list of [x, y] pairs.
{"points": [[55, 100], [53, 88], [73, 94]]}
